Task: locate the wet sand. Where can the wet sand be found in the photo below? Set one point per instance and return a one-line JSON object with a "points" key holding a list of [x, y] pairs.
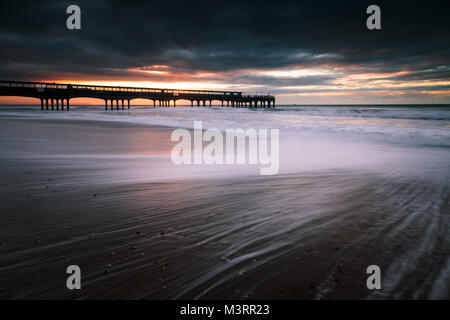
{"points": [[309, 235]]}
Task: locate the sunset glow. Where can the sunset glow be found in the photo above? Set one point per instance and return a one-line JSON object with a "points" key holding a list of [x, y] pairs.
{"points": [[342, 82]]}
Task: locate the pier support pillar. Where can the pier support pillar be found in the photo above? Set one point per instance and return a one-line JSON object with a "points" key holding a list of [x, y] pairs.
{"points": [[42, 104]]}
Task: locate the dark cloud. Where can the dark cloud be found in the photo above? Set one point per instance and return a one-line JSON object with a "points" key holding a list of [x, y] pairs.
{"points": [[224, 36]]}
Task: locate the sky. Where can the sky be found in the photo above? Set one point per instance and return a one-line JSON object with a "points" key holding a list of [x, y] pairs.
{"points": [[315, 52]]}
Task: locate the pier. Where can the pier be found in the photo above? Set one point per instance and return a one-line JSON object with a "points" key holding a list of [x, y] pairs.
{"points": [[56, 96]]}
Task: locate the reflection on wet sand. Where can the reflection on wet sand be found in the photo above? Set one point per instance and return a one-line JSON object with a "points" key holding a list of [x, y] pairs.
{"points": [[303, 236]]}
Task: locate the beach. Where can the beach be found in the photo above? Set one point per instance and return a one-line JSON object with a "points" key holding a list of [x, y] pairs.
{"points": [[98, 190]]}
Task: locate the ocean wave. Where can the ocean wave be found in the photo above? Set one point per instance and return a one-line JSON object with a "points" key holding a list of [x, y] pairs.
{"points": [[426, 126]]}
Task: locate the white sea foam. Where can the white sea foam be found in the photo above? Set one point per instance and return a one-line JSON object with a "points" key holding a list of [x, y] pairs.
{"points": [[428, 126]]}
